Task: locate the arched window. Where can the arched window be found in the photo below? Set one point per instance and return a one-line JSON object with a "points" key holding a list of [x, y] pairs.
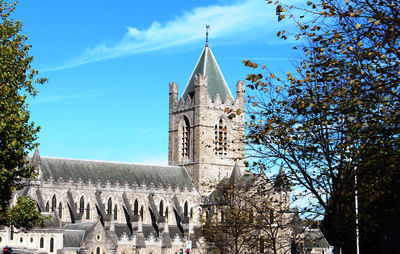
{"points": [[141, 213], [166, 212], [82, 205], [109, 206], [60, 210], [184, 133], [115, 212], [191, 213], [47, 208], [88, 211], [136, 207], [54, 203], [52, 244], [41, 243], [185, 209], [221, 140], [161, 208], [98, 250]]}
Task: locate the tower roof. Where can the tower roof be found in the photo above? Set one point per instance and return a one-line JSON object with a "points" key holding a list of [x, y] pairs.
{"points": [[207, 65]]}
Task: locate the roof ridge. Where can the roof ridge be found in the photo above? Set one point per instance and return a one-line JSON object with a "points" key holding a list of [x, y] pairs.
{"points": [[113, 162]]}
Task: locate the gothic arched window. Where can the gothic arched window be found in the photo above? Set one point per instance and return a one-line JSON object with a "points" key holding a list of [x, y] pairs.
{"points": [[184, 138], [88, 211], [52, 244], [161, 208], [141, 213], [109, 206], [136, 207], [185, 209], [115, 212], [166, 212], [41, 243], [47, 208], [221, 138], [54, 203], [81, 205], [60, 210]]}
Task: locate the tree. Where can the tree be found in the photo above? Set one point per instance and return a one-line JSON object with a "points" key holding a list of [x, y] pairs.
{"points": [[17, 133], [246, 216], [338, 116]]}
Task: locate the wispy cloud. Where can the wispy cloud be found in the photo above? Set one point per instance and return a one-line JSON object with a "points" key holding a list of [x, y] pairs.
{"points": [[239, 21]]}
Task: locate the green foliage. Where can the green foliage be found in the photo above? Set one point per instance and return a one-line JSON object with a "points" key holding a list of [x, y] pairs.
{"points": [[25, 214], [17, 133], [340, 113]]}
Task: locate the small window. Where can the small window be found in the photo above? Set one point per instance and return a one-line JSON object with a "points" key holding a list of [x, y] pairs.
{"points": [[47, 208], [98, 250], [60, 210], [53, 203], [1, 239], [41, 243], [52, 244], [31, 240], [141, 213], [81, 205], [98, 237], [161, 208], [88, 211], [136, 207], [185, 209], [21, 239], [115, 212], [109, 206]]}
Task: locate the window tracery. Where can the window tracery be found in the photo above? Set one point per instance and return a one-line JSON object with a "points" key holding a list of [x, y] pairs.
{"points": [[221, 138]]}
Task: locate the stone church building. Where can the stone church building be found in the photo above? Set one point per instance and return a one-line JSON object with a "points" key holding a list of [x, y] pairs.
{"points": [[100, 207]]}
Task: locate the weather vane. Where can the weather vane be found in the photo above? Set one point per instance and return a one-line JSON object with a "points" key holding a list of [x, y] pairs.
{"points": [[207, 28]]}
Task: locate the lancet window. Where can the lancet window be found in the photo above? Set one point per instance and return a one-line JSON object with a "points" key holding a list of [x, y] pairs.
{"points": [[221, 138], [54, 203], [109, 206], [184, 138], [88, 211], [136, 207], [81, 204]]}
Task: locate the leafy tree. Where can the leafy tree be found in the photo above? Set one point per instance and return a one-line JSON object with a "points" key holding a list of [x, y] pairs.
{"points": [[17, 133], [246, 216], [339, 114]]}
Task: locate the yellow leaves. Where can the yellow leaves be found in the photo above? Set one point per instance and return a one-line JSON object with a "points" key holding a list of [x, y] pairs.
{"points": [[351, 48], [377, 22], [272, 75], [352, 14], [358, 26]]}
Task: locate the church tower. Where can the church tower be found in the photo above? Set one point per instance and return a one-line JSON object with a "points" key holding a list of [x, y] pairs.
{"points": [[206, 124]]}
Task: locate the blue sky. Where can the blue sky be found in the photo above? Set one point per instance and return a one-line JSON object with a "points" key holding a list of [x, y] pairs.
{"points": [[110, 62]]}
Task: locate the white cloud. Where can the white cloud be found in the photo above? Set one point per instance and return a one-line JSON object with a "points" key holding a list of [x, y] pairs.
{"points": [[234, 23]]}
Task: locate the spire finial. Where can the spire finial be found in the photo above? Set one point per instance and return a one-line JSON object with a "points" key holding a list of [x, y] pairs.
{"points": [[207, 28]]}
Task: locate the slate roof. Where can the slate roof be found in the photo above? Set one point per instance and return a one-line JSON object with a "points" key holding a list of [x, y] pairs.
{"points": [[207, 65], [315, 239], [120, 229], [103, 171]]}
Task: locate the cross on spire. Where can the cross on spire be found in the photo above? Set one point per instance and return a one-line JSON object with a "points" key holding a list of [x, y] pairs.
{"points": [[207, 28]]}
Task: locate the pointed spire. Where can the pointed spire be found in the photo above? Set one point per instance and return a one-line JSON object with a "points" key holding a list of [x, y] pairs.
{"points": [[207, 28], [208, 66], [282, 182], [236, 174], [36, 157]]}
